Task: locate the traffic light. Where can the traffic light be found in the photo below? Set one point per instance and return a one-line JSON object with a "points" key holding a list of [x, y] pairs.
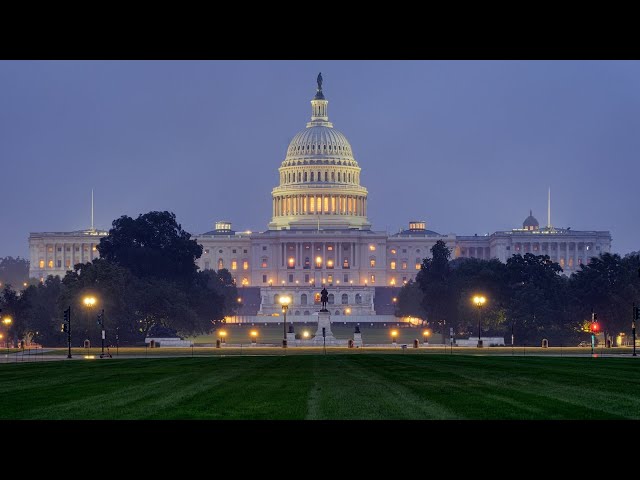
{"points": [[595, 327], [64, 328], [636, 313], [67, 314]]}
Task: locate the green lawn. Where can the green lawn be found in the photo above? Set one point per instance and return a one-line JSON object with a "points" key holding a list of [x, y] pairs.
{"points": [[366, 386]]}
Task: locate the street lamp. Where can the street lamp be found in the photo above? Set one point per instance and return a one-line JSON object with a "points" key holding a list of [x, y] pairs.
{"points": [[425, 334], [6, 321], [254, 336], [223, 336], [479, 300], [90, 301], [394, 334], [305, 334], [285, 300]]}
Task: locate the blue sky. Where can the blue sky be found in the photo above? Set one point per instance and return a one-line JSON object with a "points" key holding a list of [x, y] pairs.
{"points": [[468, 146]]}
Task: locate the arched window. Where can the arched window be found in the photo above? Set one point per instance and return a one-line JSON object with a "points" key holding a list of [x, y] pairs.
{"points": [[326, 176], [319, 176], [276, 299], [358, 299], [303, 299], [306, 312], [305, 176], [372, 262], [307, 263], [345, 299], [349, 178], [339, 177], [312, 176], [331, 299], [298, 176], [333, 176], [297, 312], [337, 312], [220, 264]]}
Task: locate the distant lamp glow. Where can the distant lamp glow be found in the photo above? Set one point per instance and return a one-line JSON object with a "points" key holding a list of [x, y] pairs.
{"points": [[394, 335], [89, 301], [292, 262], [7, 321], [479, 300], [318, 261], [285, 301], [394, 299], [348, 311], [24, 284], [239, 300], [393, 281], [426, 333], [305, 334], [254, 336], [223, 336]]}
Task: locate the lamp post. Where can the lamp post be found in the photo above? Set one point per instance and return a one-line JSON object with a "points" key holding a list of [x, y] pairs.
{"points": [[89, 302], [254, 336], [223, 336], [394, 335], [239, 307], [479, 300], [426, 337], [285, 301], [101, 324], [6, 321]]}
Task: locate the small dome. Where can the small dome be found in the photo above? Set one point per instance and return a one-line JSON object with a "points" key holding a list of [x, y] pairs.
{"points": [[530, 223]]}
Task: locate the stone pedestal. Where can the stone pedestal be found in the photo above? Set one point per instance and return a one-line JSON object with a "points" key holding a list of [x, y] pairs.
{"points": [[357, 339], [291, 339], [324, 321]]}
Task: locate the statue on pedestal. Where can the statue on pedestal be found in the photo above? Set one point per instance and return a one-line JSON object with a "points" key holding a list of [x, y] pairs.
{"points": [[324, 298]]}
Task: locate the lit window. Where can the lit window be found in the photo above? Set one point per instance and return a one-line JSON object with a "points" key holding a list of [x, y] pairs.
{"points": [[50, 249], [393, 251], [50, 263], [264, 263], [318, 262], [245, 281], [330, 247], [329, 278], [292, 262], [41, 263], [391, 282], [345, 263], [234, 264], [373, 278], [329, 263], [418, 266], [372, 248], [404, 265], [393, 265], [245, 265], [94, 248], [372, 262], [68, 263], [220, 264]]}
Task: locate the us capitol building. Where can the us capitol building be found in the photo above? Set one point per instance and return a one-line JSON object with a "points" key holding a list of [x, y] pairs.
{"points": [[320, 234]]}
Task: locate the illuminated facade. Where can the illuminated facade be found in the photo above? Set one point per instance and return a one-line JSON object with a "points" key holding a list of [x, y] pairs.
{"points": [[319, 234]]}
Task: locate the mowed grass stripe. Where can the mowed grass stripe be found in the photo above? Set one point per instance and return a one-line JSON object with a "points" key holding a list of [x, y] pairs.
{"points": [[544, 392], [369, 386]]}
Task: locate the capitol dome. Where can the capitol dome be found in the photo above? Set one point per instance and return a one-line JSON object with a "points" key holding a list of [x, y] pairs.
{"points": [[319, 178]]}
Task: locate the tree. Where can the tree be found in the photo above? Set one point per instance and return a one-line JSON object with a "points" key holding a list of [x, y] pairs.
{"points": [[14, 271], [410, 301], [537, 298], [152, 245], [434, 281]]}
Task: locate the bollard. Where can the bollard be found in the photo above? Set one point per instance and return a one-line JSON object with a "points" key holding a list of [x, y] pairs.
{"points": [[416, 343]]}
